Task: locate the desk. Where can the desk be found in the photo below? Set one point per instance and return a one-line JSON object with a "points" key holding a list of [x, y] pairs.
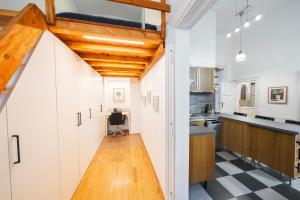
{"points": [[125, 112]]}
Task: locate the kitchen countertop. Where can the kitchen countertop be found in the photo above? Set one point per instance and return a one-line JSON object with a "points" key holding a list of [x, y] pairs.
{"points": [[197, 130], [276, 126]]}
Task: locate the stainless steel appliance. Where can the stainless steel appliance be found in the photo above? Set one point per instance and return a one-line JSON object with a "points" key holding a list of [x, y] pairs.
{"points": [[215, 124]]}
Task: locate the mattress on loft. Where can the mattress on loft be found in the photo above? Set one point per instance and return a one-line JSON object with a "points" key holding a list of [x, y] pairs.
{"points": [[105, 20]]}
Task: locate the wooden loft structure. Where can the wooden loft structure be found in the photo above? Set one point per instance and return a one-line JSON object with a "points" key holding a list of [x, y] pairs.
{"points": [[112, 50], [19, 33]]}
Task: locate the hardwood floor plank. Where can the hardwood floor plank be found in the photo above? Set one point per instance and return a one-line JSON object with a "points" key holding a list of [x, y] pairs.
{"points": [[120, 170]]}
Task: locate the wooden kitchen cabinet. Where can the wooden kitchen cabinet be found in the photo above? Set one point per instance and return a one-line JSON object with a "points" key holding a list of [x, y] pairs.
{"points": [[232, 135], [250, 141], [202, 158], [266, 146], [285, 155], [273, 148]]}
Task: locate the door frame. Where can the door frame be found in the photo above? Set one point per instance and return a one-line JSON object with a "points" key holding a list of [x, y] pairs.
{"points": [[184, 15]]}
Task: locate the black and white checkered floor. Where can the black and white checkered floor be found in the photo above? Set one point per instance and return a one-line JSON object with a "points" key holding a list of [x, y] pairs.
{"points": [[238, 180]]}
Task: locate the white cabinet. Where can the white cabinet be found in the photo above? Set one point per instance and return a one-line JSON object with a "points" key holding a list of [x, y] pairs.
{"points": [[77, 106], [67, 76], [51, 126], [5, 190], [32, 121], [88, 136]]}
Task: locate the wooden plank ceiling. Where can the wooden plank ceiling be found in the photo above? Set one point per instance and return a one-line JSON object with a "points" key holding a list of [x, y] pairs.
{"points": [[112, 50]]}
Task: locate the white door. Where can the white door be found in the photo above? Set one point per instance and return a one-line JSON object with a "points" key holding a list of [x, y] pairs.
{"points": [[86, 139], [32, 121], [5, 190], [100, 106], [67, 73], [228, 97]]}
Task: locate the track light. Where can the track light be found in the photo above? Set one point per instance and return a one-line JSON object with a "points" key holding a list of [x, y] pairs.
{"points": [[247, 24], [237, 30], [258, 17], [228, 35]]}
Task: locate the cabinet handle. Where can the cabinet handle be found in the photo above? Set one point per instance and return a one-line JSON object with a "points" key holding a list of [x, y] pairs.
{"points": [[79, 118], [101, 108], [90, 113], [18, 148]]}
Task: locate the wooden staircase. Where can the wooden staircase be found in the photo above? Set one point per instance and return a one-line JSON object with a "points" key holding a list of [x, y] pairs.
{"points": [[19, 33], [5, 17]]}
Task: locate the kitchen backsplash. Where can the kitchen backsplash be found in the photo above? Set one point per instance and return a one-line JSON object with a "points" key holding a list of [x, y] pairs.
{"points": [[199, 100]]}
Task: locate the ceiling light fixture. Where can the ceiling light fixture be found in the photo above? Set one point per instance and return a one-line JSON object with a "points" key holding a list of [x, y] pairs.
{"points": [[228, 35], [237, 30], [258, 17], [246, 24], [89, 37]]}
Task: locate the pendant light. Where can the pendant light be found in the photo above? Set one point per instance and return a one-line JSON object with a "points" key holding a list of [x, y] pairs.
{"points": [[241, 56]]}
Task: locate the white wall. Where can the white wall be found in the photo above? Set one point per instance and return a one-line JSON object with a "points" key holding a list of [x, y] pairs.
{"points": [[272, 48], [288, 111], [109, 85], [61, 5], [203, 41], [135, 105], [223, 56], [299, 92], [182, 103], [132, 98], [153, 124]]}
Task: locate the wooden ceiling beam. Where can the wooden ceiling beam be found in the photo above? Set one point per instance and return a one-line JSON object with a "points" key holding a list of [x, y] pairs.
{"points": [[120, 76], [116, 65], [109, 49], [114, 69], [50, 11], [157, 56], [146, 4], [114, 59], [79, 30]]}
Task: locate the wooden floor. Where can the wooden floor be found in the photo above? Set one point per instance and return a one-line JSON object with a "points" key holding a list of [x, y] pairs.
{"points": [[120, 170]]}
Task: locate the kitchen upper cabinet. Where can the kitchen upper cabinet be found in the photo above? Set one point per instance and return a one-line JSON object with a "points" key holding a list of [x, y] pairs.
{"points": [[5, 190], [32, 128], [202, 79], [67, 77]]}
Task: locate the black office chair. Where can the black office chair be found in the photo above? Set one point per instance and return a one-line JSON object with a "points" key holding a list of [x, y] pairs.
{"points": [[264, 117], [116, 119], [292, 122], [240, 114]]}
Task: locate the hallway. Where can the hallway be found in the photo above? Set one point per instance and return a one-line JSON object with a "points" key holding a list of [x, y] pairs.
{"points": [[121, 169]]}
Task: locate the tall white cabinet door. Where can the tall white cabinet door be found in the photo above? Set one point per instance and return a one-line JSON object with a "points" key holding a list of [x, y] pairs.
{"points": [[5, 190], [100, 123], [67, 76], [32, 120], [85, 135]]}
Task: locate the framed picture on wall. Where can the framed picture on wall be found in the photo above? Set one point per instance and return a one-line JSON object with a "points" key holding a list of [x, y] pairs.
{"points": [[156, 103], [119, 94], [278, 95]]}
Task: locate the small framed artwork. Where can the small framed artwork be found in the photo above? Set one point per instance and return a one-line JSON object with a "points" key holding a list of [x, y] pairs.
{"points": [[119, 94], [156, 103], [278, 95], [149, 96]]}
